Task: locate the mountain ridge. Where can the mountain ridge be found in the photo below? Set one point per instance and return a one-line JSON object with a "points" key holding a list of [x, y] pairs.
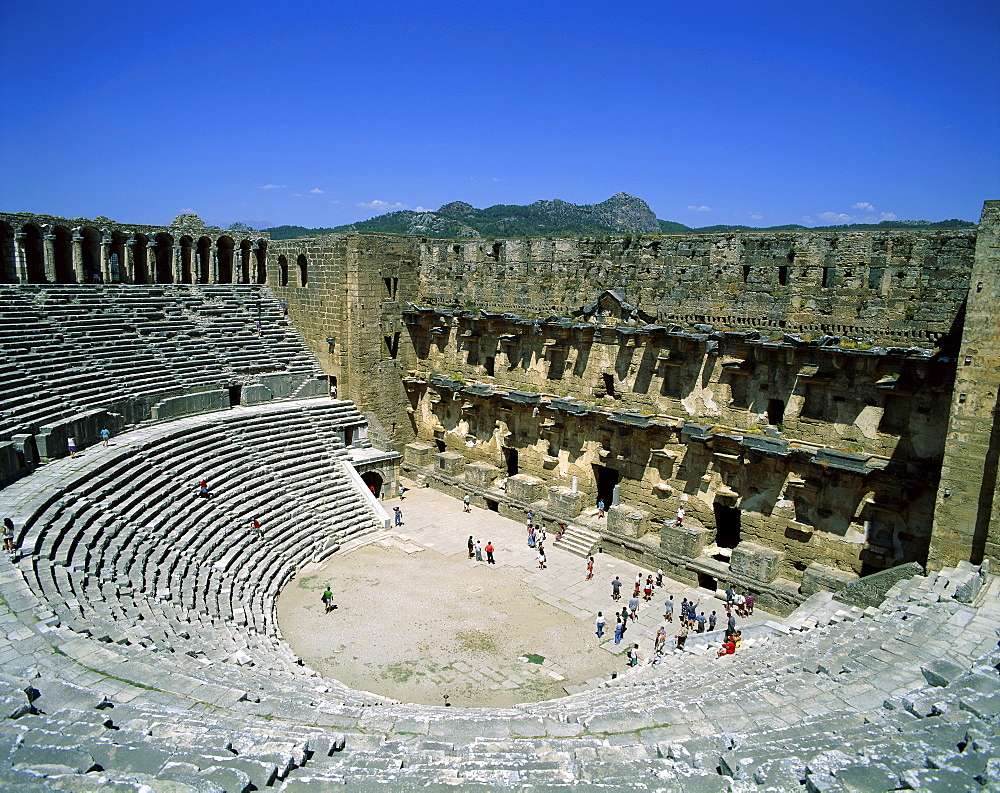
{"points": [[620, 214]]}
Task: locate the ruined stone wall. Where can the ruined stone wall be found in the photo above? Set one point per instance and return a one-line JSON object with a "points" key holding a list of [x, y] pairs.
{"points": [[967, 519], [349, 309], [894, 287]]}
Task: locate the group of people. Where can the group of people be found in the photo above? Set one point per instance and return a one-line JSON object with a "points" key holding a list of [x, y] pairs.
{"points": [[72, 447], [742, 604], [476, 549]]}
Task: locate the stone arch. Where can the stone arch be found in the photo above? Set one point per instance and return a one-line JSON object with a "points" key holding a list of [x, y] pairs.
{"points": [[140, 264], [116, 258], [8, 262], [246, 255], [224, 253], [204, 257], [260, 249], [163, 254], [34, 253], [90, 254], [374, 481], [282, 271], [187, 259], [303, 265], [62, 254]]}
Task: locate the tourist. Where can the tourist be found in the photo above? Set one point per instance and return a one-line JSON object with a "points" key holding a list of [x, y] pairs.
{"points": [[541, 557], [750, 602], [619, 629], [741, 604], [600, 624], [731, 625], [203, 488], [8, 535], [684, 611], [660, 642], [71, 445], [479, 550], [737, 638], [541, 535], [728, 647], [682, 634], [590, 567], [327, 598], [255, 528], [560, 532], [472, 547], [616, 586], [659, 578], [730, 595], [532, 542], [529, 516], [489, 552], [397, 515], [401, 491], [633, 655], [668, 613], [679, 520], [600, 508], [467, 502], [712, 619], [105, 436], [633, 607], [647, 591], [701, 622]]}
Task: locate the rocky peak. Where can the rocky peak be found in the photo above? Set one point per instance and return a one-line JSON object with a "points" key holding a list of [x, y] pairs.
{"points": [[457, 209]]}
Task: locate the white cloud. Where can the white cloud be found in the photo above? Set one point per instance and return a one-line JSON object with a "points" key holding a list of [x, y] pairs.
{"points": [[755, 215], [422, 209], [317, 191], [888, 216], [335, 201], [187, 211], [863, 205], [272, 186], [702, 208], [379, 204], [497, 180], [297, 195], [809, 221], [836, 217]]}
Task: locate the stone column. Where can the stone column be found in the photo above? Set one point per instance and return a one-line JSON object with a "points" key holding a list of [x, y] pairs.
{"points": [[254, 271], [105, 259], [78, 256], [50, 257], [213, 275], [128, 266], [178, 265], [20, 257], [151, 260]]}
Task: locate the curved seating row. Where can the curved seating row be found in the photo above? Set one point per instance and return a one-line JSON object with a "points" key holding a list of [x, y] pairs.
{"points": [[68, 349]]}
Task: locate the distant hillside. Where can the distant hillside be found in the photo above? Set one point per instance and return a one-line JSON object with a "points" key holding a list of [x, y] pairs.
{"points": [[620, 214]]}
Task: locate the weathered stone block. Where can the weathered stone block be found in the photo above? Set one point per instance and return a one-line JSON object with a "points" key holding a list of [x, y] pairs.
{"points": [[450, 463], [481, 474], [190, 403], [565, 501], [256, 394], [418, 454], [870, 590], [524, 488], [755, 561], [682, 540], [817, 577], [627, 520]]}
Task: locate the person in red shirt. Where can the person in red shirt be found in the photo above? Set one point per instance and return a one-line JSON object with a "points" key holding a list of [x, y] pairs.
{"points": [[489, 552]]}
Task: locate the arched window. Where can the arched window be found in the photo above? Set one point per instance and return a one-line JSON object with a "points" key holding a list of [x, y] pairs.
{"points": [[282, 271], [260, 249], [164, 254], [224, 255], [187, 258], [8, 268], [204, 255], [303, 269]]}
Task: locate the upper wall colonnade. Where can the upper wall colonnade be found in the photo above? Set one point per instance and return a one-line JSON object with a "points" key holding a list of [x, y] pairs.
{"points": [[42, 249]]}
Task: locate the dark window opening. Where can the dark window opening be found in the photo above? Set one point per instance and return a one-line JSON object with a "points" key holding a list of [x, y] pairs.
{"points": [[392, 344], [391, 285], [706, 581], [746, 272], [609, 384], [775, 411], [875, 278], [510, 458], [492, 506], [607, 480], [441, 445], [783, 276], [348, 436], [496, 251], [490, 365], [282, 271], [303, 269], [727, 526], [235, 394], [827, 276]]}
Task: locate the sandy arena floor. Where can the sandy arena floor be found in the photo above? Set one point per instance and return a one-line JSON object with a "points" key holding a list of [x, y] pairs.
{"points": [[417, 620]]}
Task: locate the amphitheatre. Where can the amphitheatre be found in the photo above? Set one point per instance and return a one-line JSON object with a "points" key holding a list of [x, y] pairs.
{"points": [[822, 404]]}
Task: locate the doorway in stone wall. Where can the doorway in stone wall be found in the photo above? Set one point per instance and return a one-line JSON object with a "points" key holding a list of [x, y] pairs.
{"points": [[510, 458], [607, 480], [374, 481], [727, 525]]}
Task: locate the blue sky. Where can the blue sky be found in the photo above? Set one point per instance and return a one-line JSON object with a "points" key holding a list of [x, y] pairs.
{"points": [[319, 114]]}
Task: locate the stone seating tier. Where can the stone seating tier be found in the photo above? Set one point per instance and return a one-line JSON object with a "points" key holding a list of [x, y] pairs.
{"points": [[68, 349]]}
